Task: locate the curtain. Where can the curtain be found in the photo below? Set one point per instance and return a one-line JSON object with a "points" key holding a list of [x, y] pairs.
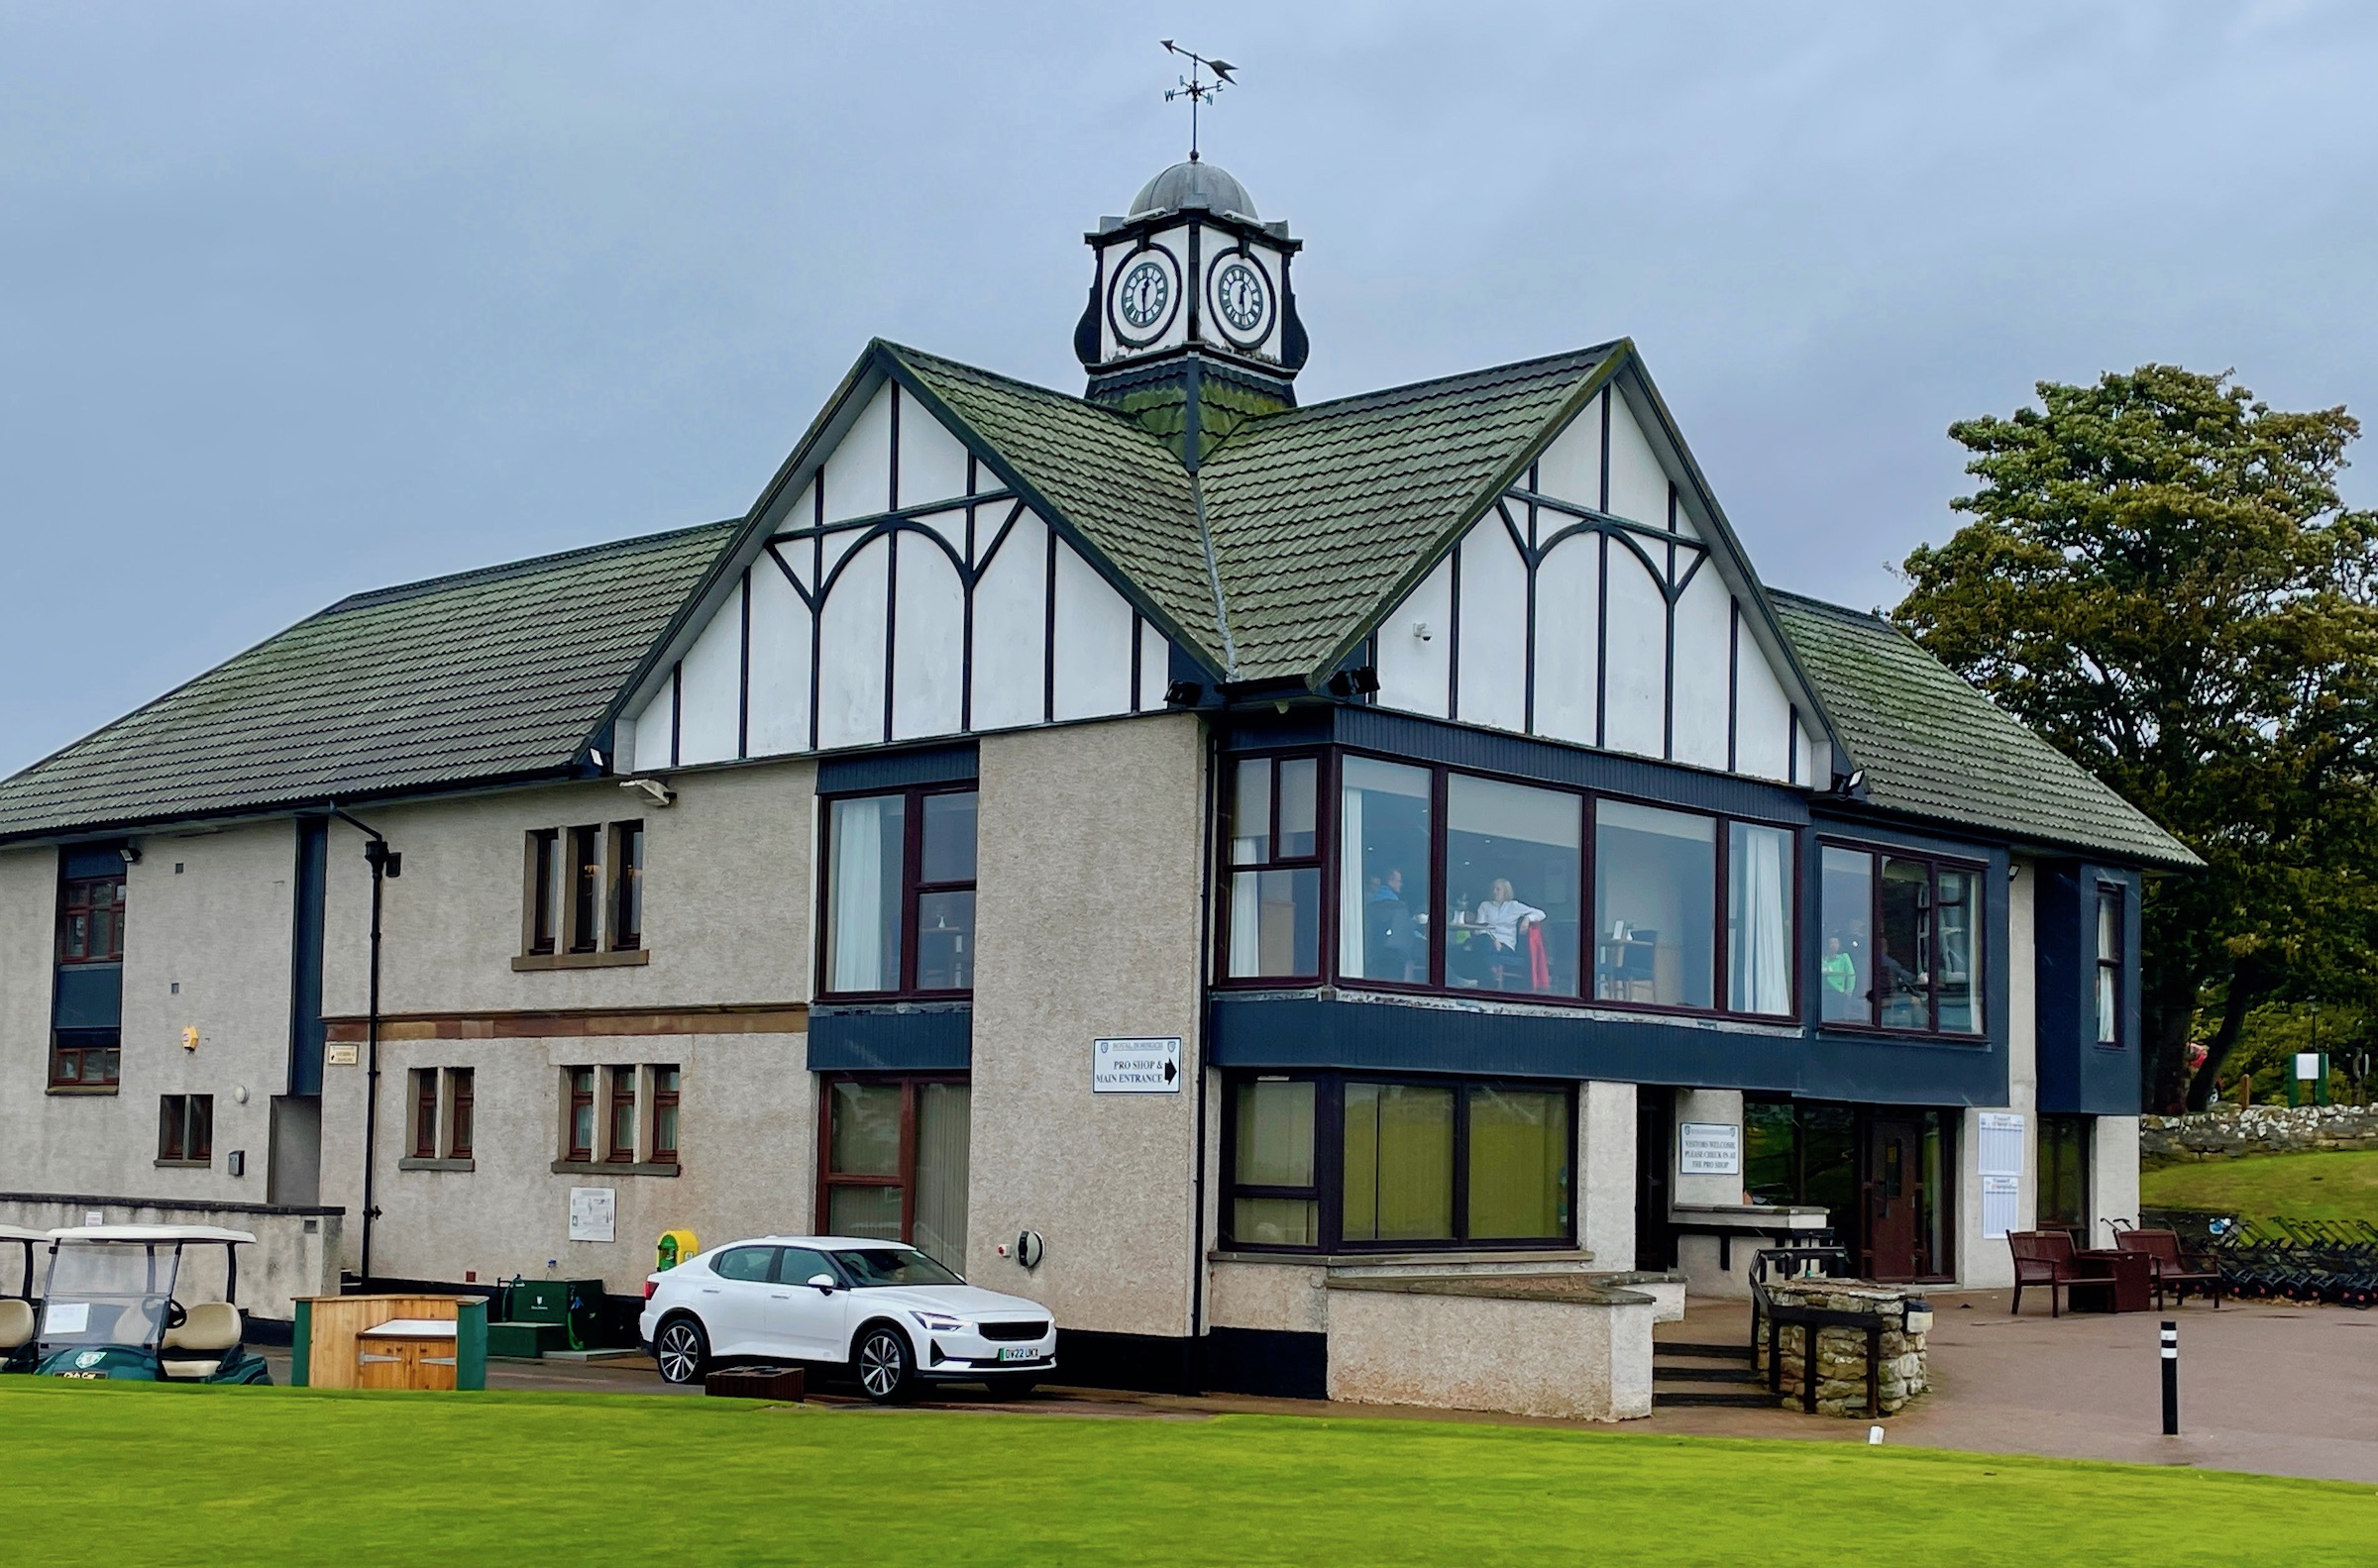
{"points": [[855, 935], [1352, 938], [943, 1114], [1760, 962]]}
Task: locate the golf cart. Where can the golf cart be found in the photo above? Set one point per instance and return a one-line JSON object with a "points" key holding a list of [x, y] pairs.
{"points": [[17, 1311], [110, 1311]]}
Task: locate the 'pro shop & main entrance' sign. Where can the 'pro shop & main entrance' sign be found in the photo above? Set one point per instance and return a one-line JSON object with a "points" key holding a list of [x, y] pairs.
{"points": [[1135, 1067]]}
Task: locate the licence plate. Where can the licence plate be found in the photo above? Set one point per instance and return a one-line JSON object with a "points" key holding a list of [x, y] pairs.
{"points": [[1018, 1353], [82, 1375]]}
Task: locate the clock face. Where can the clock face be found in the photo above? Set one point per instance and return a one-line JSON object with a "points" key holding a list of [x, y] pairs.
{"points": [[1242, 299], [1143, 295]]}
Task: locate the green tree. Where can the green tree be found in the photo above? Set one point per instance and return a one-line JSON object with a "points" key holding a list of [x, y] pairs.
{"points": [[2160, 577]]}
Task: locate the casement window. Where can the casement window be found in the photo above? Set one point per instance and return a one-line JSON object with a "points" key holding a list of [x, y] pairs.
{"points": [[1346, 1163], [1454, 881], [461, 1086], [425, 1112], [665, 1088], [544, 890], [186, 1130], [441, 1112], [84, 1059], [621, 1146], [626, 921], [90, 920], [586, 888], [1271, 903], [2109, 965], [900, 893], [1903, 941], [894, 1162], [577, 1114]]}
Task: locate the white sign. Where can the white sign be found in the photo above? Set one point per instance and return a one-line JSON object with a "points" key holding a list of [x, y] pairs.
{"points": [[1709, 1148], [66, 1318], [2001, 1198], [2002, 1150], [1135, 1067], [2308, 1066], [591, 1209], [341, 1055]]}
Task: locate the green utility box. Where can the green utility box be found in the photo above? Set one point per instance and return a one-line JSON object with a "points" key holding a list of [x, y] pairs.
{"points": [[537, 1317], [526, 1341]]}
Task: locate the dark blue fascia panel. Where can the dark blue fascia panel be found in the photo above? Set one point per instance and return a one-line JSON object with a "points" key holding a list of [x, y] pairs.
{"points": [[2078, 1076], [77, 862], [897, 769], [937, 1037], [89, 995], [306, 1029], [1366, 1034]]}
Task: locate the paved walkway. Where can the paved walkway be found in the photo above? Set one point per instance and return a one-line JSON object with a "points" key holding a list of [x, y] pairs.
{"points": [[2278, 1389]]}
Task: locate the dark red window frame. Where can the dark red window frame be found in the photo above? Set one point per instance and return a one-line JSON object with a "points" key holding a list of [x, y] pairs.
{"points": [[622, 1116], [912, 886], [460, 1082], [667, 1088], [425, 1112], [579, 1097]]}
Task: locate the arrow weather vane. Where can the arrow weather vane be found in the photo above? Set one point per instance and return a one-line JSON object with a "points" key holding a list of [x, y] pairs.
{"points": [[1197, 91]]}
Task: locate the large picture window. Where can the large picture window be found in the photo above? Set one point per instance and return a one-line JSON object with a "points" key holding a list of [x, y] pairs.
{"points": [[900, 893], [1456, 882], [896, 1163], [1273, 906], [1355, 1164], [1901, 940]]}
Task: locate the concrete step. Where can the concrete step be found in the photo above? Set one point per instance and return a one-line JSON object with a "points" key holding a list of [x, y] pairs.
{"points": [[1761, 1400], [1663, 1374], [1678, 1347]]}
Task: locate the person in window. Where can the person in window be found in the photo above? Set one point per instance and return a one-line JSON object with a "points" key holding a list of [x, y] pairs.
{"points": [[1903, 987], [1841, 979], [1389, 930], [1502, 960]]}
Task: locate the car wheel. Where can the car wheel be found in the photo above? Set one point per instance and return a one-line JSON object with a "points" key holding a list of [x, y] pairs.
{"points": [[1013, 1388], [883, 1364], [682, 1351]]}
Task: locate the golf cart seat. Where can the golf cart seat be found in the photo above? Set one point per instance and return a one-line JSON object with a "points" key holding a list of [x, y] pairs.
{"points": [[205, 1337], [16, 1324]]}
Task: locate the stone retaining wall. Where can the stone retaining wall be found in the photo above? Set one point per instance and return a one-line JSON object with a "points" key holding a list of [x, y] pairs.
{"points": [[2228, 1131], [1841, 1352]]}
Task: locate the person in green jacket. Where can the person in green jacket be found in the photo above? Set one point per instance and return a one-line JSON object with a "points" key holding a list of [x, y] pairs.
{"points": [[1840, 971]]}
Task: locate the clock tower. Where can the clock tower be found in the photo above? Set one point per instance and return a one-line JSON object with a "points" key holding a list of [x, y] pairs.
{"points": [[1191, 300]]}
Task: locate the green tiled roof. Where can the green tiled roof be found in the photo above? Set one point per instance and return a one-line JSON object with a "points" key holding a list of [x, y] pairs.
{"points": [[1320, 512], [1932, 746], [497, 673]]}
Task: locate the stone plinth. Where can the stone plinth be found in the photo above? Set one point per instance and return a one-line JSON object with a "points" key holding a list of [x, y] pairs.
{"points": [[1534, 1346], [1841, 1351]]}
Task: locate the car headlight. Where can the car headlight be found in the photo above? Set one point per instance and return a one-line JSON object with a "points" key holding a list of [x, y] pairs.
{"points": [[940, 1322]]}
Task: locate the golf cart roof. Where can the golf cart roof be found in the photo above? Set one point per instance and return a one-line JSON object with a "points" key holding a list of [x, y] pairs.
{"points": [[153, 1233], [20, 1233]]}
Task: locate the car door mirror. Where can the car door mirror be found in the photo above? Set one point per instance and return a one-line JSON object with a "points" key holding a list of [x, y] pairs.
{"points": [[824, 1281]]}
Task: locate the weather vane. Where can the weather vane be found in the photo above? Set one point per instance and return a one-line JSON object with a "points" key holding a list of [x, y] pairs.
{"points": [[1195, 90]]}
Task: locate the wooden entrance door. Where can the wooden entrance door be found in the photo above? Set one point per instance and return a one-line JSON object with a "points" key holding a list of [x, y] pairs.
{"points": [[1894, 1148]]}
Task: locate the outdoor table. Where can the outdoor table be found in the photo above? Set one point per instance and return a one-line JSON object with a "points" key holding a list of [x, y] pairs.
{"points": [[2107, 1281]]}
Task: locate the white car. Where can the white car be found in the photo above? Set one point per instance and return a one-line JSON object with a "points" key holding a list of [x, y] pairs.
{"points": [[887, 1313]]}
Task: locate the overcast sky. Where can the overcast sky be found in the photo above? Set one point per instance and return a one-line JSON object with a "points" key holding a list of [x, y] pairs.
{"points": [[301, 299]]}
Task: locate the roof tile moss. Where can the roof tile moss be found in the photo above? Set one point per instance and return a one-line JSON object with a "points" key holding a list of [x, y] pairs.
{"points": [[1932, 746], [489, 674]]}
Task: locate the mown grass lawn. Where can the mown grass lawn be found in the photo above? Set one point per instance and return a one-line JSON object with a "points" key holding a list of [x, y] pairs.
{"points": [[119, 1475], [2341, 1184]]}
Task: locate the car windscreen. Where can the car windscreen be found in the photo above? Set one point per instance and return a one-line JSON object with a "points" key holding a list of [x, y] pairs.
{"points": [[866, 1266], [107, 1294]]}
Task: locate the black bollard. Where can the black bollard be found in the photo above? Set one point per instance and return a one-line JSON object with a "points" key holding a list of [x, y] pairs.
{"points": [[2171, 1379]]}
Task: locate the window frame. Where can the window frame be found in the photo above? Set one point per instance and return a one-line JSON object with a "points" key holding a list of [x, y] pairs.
{"points": [[572, 1098], [186, 1130], [1330, 864], [68, 907], [84, 1046], [905, 1180], [582, 885], [425, 1101], [1935, 863], [1325, 832], [615, 1078], [540, 935], [461, 1108], [1327, 1191], [623, 897], [666, 1096], [2118, 897], [912, 886]]}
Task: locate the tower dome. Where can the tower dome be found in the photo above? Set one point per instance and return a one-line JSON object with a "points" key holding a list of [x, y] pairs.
{"points": [[1195, 183]]}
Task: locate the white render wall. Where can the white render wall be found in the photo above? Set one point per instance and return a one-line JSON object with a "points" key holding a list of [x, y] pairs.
{"points": [[1987, 1263]]}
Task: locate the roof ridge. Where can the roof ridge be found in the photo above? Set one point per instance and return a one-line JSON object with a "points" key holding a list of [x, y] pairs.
{"points": [[1844, 611], [503, 571]]}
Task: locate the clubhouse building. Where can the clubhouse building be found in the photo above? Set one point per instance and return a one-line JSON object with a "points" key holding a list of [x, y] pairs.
{"points": [[1234, 842]]}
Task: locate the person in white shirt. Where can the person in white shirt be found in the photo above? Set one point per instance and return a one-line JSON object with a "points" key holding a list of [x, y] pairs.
{"points": [[1496, 961]]}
